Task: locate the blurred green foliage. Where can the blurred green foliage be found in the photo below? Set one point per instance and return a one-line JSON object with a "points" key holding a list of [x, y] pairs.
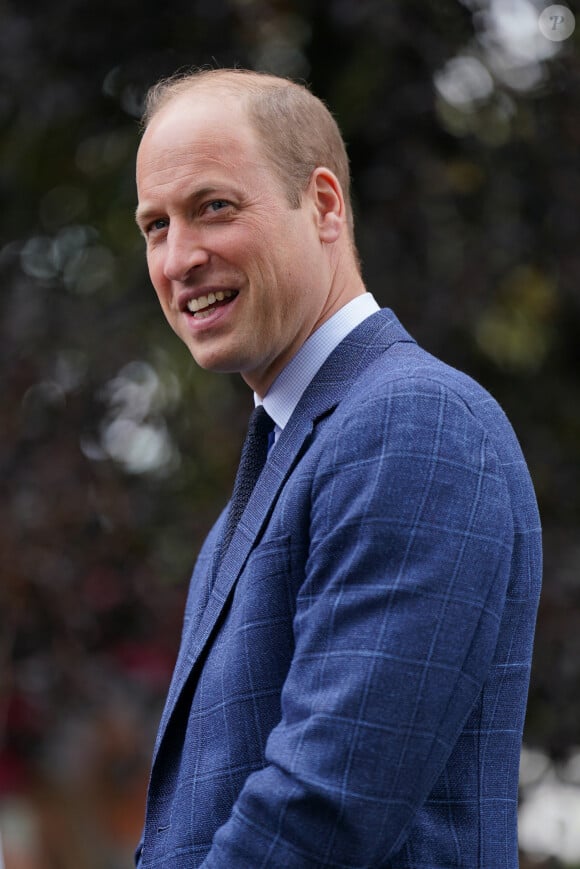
{"points": [[117, 454]]}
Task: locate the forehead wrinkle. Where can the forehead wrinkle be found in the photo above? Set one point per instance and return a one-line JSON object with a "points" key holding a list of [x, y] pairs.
{"points": [[180, 150], [193, 175], [189, 182]]}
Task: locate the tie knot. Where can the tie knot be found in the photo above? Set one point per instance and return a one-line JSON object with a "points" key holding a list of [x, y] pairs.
{"points": [[254, 450], [260, 424]]}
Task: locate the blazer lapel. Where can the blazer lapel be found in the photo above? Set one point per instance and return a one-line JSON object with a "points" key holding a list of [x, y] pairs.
{"points": [[340, 371], [280, 461]]}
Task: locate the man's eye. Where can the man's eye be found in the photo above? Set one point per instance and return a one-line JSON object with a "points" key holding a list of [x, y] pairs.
{"points": [[157, 225], [217, 204]]}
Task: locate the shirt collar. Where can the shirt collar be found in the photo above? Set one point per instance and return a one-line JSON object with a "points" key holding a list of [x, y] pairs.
{"points": [[286, 391]]}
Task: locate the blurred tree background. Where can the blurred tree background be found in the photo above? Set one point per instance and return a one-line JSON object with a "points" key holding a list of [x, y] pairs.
{"points": [[463, 126]]}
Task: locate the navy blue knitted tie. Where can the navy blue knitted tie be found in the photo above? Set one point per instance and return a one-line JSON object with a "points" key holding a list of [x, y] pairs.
{"points": [[252, 460]]}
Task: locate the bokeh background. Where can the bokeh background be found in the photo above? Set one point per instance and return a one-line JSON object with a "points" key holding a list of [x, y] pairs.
{"points": [[116, 453]]}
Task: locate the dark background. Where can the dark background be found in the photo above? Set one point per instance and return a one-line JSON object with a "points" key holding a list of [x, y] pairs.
{"points": [[116, 453]]}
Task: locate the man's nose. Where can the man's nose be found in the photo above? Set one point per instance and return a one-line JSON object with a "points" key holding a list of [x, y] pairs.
{"points": [[184, 253]]}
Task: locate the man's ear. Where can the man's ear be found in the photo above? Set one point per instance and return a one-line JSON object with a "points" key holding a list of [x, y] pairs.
{"points": [[329, 203]]}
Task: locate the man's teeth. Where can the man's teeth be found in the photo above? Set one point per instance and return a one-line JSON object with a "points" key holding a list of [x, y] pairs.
{"points": [[197, 305]]}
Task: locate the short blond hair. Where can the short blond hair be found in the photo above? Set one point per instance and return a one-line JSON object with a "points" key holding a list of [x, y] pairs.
{"points": [[296, 129]]}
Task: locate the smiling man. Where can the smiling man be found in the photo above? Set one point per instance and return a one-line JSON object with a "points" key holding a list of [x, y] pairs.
{"points": [[351, 685]]}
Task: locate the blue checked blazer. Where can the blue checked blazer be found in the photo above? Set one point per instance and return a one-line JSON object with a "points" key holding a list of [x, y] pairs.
{"points": [[351, 685]]}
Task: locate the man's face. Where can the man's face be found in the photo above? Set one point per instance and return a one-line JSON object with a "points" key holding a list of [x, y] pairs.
{"points": [[242, 277]]}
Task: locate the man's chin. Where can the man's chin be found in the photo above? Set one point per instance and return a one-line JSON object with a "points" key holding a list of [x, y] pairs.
{"points": [[255, 375], [218, 363]]}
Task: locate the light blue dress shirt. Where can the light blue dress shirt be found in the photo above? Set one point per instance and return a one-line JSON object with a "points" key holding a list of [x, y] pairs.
{"points": [[286, 391]]}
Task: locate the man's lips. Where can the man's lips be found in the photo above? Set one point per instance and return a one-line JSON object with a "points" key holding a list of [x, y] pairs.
{"points": [[202, 306]]}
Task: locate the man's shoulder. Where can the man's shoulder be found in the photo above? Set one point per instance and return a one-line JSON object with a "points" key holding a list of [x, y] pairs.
{"points": [[406, 388], [389, 353], [408, 365], [379, 363]]}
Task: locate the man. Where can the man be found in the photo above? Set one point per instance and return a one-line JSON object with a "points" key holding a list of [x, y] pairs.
{"points": [[351, 684]]}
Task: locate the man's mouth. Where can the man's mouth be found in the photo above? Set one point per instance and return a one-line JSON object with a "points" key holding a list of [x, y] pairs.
{"points": [[204, 305]]}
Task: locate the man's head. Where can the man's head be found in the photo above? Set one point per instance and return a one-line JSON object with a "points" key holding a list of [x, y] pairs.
{"points": [[248, 256]]}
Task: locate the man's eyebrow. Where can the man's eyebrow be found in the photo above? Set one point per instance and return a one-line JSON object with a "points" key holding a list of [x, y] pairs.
{"points": [[142, 215]]}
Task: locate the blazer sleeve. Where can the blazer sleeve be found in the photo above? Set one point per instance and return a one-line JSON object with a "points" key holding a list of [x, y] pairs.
{"points": [[397, 620]]}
